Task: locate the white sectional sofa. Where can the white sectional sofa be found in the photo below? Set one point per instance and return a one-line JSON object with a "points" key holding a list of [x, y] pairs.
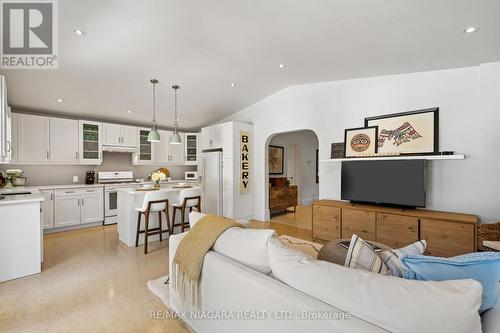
{"points": [[243, 291]]}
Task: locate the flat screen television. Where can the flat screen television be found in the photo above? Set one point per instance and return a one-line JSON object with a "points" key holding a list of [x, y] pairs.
{"points": [[399, 183]]}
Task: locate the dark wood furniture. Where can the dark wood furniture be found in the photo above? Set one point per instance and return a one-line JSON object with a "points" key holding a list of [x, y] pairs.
{"points": [[281, 198], [153, 231], [447, 234], [186, 203]]}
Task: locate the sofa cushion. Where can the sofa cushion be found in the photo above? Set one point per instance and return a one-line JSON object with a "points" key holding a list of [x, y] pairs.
{"points": [[392, 303], [480, 266], [392, 258], [361, 255]]}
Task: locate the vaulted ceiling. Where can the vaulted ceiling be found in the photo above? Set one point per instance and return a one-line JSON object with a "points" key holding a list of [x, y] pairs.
{"points": [[205, 45]]}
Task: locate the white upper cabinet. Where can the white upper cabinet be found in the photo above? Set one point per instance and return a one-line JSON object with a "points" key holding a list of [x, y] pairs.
{"points": [[161, 149], [33, 139], [144, 153], [192, 148], [120, 135], [14, 149], [8, 154], [64, 141], [211, 137], [129, 136], [112, 134], [90, 142], [175, 151]]}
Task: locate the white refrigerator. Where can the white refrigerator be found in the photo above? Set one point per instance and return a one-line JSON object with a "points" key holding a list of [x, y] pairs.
{"points": [[210, 178]]}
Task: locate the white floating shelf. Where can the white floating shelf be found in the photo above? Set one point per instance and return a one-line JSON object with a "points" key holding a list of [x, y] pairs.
{"points": [[387, 158]]}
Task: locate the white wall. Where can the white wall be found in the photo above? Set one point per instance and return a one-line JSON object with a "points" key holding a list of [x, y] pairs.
{"points": [[468, 99], [307, 142]]}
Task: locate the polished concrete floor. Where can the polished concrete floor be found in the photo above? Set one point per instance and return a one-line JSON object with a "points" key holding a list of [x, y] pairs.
{"points": [[92, 283]]}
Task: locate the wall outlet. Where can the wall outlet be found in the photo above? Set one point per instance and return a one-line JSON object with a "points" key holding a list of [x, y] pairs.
{"points": [[75, 179]]}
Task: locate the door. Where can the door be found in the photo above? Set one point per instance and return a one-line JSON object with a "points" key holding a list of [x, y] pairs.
{"points": [[211, 180], [67, 208], [129, 136], [63, 140], [175, 151], [92, 206], [161, 149], [33, 139], [112, 134], [90, 140], [48, 209]]}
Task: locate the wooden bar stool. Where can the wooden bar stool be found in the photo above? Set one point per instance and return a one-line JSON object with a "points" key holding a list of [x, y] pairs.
{"points": [[153, 202], [188, 199]]}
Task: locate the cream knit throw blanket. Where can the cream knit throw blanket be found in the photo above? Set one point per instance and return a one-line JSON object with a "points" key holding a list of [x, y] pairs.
{"points": [[190, 254]]}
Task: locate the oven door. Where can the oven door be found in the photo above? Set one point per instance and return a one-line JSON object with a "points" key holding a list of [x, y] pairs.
{"points": [[110, 201]]}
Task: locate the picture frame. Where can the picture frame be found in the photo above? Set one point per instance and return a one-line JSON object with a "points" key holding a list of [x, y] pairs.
{"points": [[276, 160], [407, 133], [360, 141], [337, 150]]}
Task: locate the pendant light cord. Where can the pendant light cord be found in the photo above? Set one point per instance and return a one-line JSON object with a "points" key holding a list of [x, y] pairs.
{"points": [[175, 108], [154, 102]]}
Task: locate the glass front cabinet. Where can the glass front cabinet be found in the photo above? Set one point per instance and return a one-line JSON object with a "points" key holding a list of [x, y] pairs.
{"points": [[144, 154], [90, 141], [192, 146]]}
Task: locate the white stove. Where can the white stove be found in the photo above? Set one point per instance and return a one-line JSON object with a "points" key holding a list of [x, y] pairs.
{"points": [[112, 181]]}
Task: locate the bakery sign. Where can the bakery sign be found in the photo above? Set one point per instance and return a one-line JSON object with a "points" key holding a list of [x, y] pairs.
{"points": [[245, 162]]}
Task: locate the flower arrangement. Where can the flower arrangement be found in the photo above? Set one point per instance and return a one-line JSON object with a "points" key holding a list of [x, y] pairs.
{"points": [[158, 176]]}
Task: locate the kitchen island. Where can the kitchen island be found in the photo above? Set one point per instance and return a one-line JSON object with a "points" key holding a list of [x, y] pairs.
{"points": [[128, 200], [21, 252]]}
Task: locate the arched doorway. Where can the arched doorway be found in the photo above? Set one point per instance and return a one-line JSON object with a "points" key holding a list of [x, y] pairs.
{"points": [[292, 176]]}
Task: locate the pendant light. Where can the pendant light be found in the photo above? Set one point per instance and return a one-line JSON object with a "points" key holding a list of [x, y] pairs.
{"points": [[153, 135], [175, 139]]}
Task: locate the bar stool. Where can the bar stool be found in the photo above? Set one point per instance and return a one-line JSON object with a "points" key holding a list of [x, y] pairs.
{"points": [[153, 202], [188, 198]]}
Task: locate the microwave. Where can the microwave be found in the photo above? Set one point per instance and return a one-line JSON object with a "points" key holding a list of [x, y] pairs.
{"points": [[191, 175]]}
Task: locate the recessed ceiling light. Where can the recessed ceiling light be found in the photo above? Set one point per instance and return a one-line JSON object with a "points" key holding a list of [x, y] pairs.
{"points": [[80, 33], [129, 111], [282, 65], [233, 84], [59, 100], [470, 30]]}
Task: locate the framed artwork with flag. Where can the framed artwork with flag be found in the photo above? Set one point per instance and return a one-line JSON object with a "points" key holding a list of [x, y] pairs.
{"points": [[413, 132]]}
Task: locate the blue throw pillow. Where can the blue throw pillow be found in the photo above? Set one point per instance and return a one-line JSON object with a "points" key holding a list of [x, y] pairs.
{"points": [[483, 267]]}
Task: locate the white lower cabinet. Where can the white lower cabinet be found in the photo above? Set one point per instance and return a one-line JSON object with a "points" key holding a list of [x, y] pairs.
{"points": [[92, 206], [78, 206], [48, 209]]}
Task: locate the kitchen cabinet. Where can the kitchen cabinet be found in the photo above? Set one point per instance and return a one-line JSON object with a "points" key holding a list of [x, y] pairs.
{"points": [[47, 209], [64, 141], [90, 142], [14, 143], [191, 148], [5, 124], [119, 135], [161, 149], [211, 137], [175, 151], [7, 154], [144, 153], [33, 139], [92, 209], [78, 206], [67, 208]]}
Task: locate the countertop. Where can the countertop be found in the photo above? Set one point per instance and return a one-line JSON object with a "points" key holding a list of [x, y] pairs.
{"points": [[21, 198], [163, 189], [55, 187]]}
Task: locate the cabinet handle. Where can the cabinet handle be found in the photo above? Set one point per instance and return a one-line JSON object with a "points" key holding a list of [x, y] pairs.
{"points": [[7, 144], [47, 154], [51, 196], [76, 155], [82, 201], [78, 201]]}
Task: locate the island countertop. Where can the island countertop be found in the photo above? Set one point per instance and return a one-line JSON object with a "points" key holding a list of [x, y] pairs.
{"points": [[13, 198], [128, 200]]}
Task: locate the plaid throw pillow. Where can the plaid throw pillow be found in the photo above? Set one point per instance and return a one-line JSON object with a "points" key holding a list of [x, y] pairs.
{"points": [[362, 256], [391, 258]]}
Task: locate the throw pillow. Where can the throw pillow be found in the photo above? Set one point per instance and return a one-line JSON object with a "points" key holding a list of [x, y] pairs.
{"points": [[483, 267], [392, 257], [301, 245], [362, 256]]}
